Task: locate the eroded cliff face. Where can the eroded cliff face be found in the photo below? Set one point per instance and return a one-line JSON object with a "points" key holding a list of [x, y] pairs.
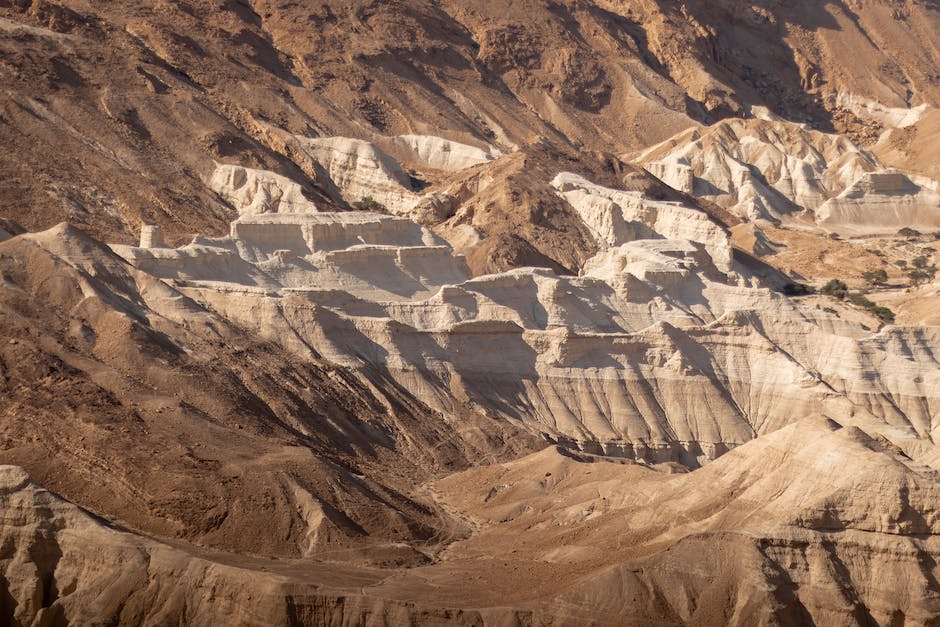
{"points": [[395, 367], [115, 113], [126, 396], [490, 314], [665, 348]]}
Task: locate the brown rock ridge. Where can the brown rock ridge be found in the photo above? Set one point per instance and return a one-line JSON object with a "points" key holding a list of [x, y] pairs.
{"points": [[775, 533], [115, 113], [122, 394]]}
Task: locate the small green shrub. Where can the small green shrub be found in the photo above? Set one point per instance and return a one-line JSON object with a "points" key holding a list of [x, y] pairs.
{"points": [[835, 287], [859, 299], [797, 289], [882, 313], [368, 203], [875, 277], [921, 275]]}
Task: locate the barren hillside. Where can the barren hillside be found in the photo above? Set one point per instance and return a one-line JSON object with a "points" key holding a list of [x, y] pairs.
{"points": [[552, 312]]}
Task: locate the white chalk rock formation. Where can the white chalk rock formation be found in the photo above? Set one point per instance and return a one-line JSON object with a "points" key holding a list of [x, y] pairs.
{"points": [[892, 117], [259, 191], [616, 217], [663, 350], [444, 154], [151, 236], [758, 168], [366, 253], [882, 202], [360, 170]]}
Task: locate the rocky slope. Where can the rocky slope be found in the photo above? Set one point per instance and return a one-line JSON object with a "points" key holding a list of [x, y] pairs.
{"points": [[665, 353], [117, 113], [112, 378], [431, 312], [773, 533]]}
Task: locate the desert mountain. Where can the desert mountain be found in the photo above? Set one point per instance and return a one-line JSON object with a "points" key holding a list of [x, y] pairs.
{"points": [[115, 114], [431, 312]]}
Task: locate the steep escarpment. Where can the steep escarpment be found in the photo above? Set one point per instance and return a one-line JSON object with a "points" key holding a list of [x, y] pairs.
{"points": [[665, 348], [123, 394], [435, 312], [116, 114]]}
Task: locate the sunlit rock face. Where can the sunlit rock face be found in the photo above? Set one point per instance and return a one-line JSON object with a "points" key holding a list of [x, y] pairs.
{"points": [[664, 349], [495, 313]]}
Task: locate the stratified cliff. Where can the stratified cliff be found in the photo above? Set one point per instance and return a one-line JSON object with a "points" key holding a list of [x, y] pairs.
{"points": [[429, 312]]}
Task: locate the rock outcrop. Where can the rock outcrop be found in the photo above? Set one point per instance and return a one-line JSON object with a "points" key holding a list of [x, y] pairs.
{"points": [[759, 168], [582, 360], [443, 154], [514, 312], [258, 191], [883, 202], [617, 217], [362, 171]]}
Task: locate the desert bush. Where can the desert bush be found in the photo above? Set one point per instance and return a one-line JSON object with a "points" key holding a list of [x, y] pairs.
{"points": [[859, 299], [797, 289], [921, 275], [882, 313], [835, 287], [368, 203], [875, 277]]}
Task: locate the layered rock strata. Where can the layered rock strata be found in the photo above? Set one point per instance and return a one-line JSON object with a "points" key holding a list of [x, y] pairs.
{"points": [[665, 348]]}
